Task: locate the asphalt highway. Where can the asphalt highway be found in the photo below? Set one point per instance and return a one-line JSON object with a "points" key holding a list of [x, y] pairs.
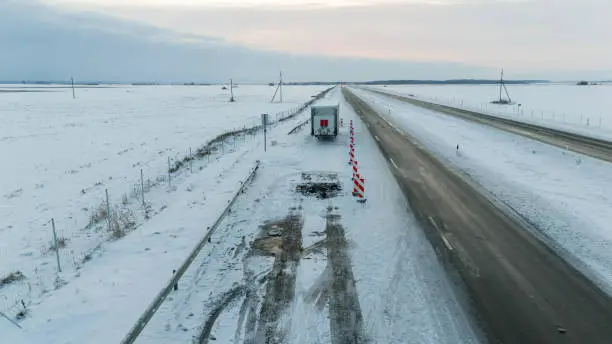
{"points": [[518, 289]]}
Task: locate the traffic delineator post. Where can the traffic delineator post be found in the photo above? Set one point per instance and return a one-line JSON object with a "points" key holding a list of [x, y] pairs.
{"points": [[351, 146], [359, 189], [358, 182]]}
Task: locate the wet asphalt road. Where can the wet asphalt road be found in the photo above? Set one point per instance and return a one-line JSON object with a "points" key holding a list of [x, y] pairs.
{"points": [[518, 289]]}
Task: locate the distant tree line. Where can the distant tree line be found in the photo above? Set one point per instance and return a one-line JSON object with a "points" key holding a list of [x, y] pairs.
{"points": [[449, 82], [421, 82], [586, 83]]}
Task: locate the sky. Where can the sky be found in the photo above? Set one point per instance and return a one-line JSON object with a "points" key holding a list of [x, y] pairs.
{"points": [[212, 40]]}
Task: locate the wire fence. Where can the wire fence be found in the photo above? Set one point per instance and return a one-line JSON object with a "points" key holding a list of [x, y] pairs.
{"points": [[115, 215]]}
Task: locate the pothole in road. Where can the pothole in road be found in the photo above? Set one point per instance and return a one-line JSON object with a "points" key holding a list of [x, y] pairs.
{"points": [[273, 234], [319, 184], [268, 246]]}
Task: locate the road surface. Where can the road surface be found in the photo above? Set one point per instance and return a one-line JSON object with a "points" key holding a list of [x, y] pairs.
{"points": [[519, 290], [596, 148]]}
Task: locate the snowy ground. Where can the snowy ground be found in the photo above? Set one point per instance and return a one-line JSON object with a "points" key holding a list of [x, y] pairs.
{"points": [[580, 109], [65, 153], [564, 194], [390, 267], [401, 288]]}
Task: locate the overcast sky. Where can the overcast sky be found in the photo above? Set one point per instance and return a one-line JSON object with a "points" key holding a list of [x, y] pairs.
{"points": [[310, 39]]}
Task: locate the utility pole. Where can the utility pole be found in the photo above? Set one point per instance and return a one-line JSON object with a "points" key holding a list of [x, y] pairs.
{"points": [[264, 123], [73, 94], [108, 212], [59, 267], [144, 206], [281, 86], [278, 90], [501, 84], [169, 175], [232, 90]]}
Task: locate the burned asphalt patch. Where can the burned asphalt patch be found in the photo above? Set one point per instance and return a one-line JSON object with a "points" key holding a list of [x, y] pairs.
{"points": [[319, 184]]}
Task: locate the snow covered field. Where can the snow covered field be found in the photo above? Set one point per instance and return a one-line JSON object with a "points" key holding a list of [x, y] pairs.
{"points": [[61, 155], [564, 194], [581, 109], [402, 290]]}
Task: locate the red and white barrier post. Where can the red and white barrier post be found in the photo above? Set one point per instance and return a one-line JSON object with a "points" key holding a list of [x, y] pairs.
{"points": [[358, 182], [359, 189], [351, 144], [351, 150]]}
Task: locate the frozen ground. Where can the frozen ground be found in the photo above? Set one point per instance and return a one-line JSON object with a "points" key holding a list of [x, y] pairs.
{"points": [[566, 196], [581, 109], [62, 155]]}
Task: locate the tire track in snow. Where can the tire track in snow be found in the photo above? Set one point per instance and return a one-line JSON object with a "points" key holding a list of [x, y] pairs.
{"points": [[280, 288], [226, 299], [346, 319]]}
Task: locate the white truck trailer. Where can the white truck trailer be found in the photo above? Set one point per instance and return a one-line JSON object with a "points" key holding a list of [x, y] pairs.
{"points": [[324, 120]]}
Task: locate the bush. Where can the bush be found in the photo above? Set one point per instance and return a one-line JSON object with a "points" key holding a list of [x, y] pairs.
{"points": [[118, 223], [11, 278], [61, 243], [121, 222], [99, 214]]}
